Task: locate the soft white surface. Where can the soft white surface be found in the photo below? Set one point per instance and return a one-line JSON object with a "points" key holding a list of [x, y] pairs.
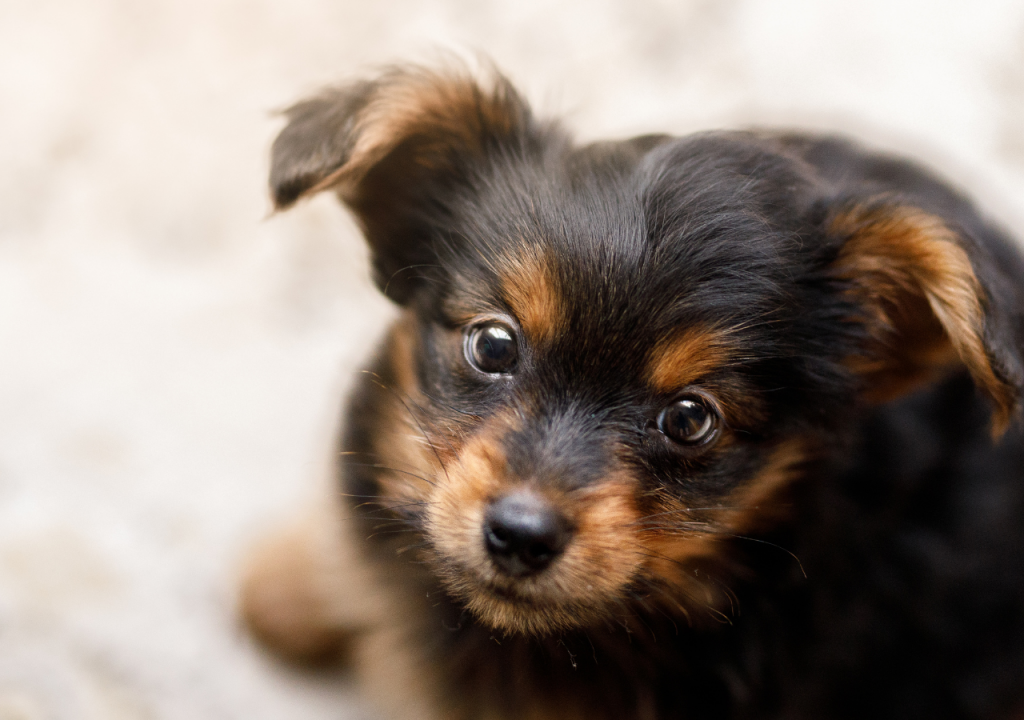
{"points": [[172, 361]]}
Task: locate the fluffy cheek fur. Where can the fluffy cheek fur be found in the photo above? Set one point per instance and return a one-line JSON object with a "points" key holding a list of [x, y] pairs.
{"points": [[681, 541]]}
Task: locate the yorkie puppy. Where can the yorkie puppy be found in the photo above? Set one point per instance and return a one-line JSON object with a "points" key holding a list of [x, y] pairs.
{"points": [[719, 426]]}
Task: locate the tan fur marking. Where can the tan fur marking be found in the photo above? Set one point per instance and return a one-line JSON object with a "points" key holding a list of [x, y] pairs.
{"points": [[440, 110], [684, 538], [687, 356], [754, 506], [408, 451], [607, 552], [926, 303], [402, 352], [529, 288]]}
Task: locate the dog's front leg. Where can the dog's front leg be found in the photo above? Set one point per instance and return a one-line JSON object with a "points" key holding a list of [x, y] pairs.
{"points": [[304, 593]]}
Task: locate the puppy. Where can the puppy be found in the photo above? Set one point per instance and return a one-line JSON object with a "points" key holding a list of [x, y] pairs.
{"points": [[721, 426]]}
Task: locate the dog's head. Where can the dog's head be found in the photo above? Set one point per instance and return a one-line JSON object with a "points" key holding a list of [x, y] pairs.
{"points": [[612, 356]]}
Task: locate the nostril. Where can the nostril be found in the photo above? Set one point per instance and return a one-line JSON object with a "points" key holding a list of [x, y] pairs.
{"points": [[497, 537], [523, 533], [538, 552]]}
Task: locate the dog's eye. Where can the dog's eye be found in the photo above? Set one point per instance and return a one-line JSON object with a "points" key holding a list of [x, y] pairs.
{"points": [[492, 349], [689, 421]]}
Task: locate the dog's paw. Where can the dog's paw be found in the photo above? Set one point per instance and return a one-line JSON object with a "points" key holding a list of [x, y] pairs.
{"points": [[300, 597]]}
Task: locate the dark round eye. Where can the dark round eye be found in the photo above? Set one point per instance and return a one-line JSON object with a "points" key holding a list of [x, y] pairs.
{"points": [[492, 349], [689, 421]]}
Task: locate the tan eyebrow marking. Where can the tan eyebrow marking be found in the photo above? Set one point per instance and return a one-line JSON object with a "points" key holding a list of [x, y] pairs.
{"points": [[529, 287], [686, 357]]}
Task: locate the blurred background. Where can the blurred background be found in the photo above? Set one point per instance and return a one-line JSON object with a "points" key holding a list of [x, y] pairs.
{"points": [[172, 358]]}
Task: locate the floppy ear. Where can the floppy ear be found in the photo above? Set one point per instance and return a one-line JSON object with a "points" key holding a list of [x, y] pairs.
{"points": [[395, 149], [925, 305]]}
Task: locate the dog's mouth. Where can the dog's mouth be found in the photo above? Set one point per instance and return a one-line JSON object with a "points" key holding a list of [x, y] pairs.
{"points": [[529, 607], [507, 593], [568, 592]]}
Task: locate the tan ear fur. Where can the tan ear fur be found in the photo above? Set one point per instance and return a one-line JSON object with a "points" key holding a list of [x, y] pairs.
{"points": [[924, 306], [437, 112]]}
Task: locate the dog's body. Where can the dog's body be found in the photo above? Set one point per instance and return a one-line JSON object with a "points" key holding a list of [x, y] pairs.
{"points": [[669, 428]]}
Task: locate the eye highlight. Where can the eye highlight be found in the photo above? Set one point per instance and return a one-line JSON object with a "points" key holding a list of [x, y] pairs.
{"points": [[690, 420], [491, 348]]}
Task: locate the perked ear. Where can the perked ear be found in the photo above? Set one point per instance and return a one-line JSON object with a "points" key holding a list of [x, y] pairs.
{"points": [[923, 304], [394, 150]]}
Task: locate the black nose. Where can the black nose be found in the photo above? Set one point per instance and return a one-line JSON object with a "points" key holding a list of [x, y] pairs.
{"points": [[524, 533]]}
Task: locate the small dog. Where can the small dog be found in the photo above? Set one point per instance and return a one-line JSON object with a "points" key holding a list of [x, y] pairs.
{"points": [[720, 426]]}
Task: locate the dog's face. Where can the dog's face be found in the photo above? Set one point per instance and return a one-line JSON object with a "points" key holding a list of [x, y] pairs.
{"points": [[613, 356]]}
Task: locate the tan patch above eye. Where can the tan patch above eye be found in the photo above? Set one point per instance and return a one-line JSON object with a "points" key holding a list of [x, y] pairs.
{"points": [[529, 287], [686, 357]]}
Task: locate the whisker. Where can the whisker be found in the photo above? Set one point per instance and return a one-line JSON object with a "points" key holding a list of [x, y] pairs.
{"points": [[380, 466], [414, 546], [415, 419], [383, 532], [770, 544], [449, 406]]}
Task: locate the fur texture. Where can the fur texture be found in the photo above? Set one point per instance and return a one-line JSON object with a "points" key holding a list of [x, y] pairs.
{"points": [[757, 392]]}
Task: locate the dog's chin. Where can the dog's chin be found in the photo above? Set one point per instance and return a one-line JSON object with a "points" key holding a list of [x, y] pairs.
{"points": [[509, 609]]}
